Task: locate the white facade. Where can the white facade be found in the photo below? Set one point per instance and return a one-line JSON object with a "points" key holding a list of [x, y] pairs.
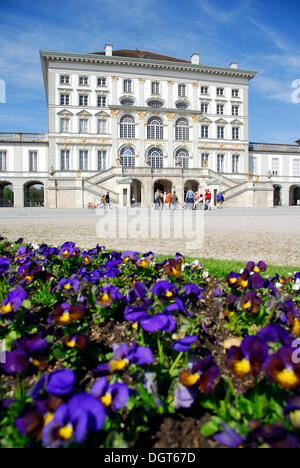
{"points": [[125, 122]]}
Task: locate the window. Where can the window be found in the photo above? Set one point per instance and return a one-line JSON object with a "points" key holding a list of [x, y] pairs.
{"points": [[155, 129], [127, 127], [182, 105], [235, 133], [83, 160], [127, 86], [182, 130], [183, 156], [127, 102], [235, 110], [220, 132], [204, 89], [83, 100], [181, 90], [127, 157], [64, 99], [65, 160], [235, 93], [64, 79], [275, 166], [32, 161], [220, 162], [101, 81], [101, 126], [296, 167], [101, 160], [204, 131], [204, 159], [64, 125], [156, 158], [83, 125], [220, 109], [220, 92], [3, 161], [101, 101], [155, 104], [235, 163], [83, 80], [204, 107], [155, 87], [253, 165]]}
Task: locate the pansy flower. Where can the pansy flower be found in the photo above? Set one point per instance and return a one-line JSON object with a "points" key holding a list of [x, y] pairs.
{"points": [[251, 303], [138, 294], [184, 396], [68, 250], [67, 285], [203, 374], [76, 341], [13, 301], [281, 369], [106, 296], [86, 258], [173, 267], [183, 344], [124, 356], [165, 290], [130, 256], [113, 396], [4, 265], [65, 313], [192, 292], [292, 410], [275, 333], [143, 262], [229, 438], [260, 267], [249, 357], [274, 436]]}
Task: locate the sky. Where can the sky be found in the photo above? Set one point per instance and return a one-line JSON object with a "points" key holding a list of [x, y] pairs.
{"points": [[261, 35]]}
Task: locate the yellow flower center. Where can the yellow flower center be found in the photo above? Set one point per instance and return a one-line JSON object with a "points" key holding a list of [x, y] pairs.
{"points": [[256, 269], [86, 260], [116, 365], [48, 418], [65, 317], [29, 278], [71, 344], [188, 379], [66, 432], [169, 294], [105, 299], [247, 305], [242, 368], [36, 362], [65, 253], [106, 400], [67, 286], [296, 327], [295, 418], [287, 378], [244, 284], [135, 326], [6, 309], [232, 280]]}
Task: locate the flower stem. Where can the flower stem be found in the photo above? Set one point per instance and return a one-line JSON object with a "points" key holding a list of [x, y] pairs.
{"points": [[176, 361]]}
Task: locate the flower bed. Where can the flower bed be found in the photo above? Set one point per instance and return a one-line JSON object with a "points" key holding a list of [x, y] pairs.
{"points": [[106, 349]]}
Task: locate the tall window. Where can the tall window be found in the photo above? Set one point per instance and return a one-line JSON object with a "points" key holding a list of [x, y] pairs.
{"points": [[32, 161], [64, 79], [220, 92], [65, 160], [155, 129], [235, 93], [101, 101], [101, 126], [83, 160], [220, 109], [83, 125], [220, 162], [127, 127], [204, 131], [204, 107], [183, 156], [64, 125], [156, 158], [182, 129], [204, 89], [83, 80], [275, 166], [101, 160], [253, 165], [204, 159], [83, 100], [101, 81], [235, 163], [181, 90], [155, 87], [3, 161], [220, 132], [235, 133], [64, 99], [127, 86], [235, 110], [296, 167], [127, 157]]}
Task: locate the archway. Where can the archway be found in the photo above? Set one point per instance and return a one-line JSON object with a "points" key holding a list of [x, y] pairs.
{"points": [[191, 185], [136, 193], [34, 194], [163, 186], [6, 195], [294, 195], [277, 195]]}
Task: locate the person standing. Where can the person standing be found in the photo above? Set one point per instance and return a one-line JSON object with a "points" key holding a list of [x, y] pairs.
{"points": [[189, 199], [174, 201], [220, 200], [107, 199], [156, 200], [208, 199], [103, 202], [168, 200]]}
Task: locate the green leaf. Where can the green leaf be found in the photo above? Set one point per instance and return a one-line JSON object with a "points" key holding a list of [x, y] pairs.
{"points": [[210, 428]]}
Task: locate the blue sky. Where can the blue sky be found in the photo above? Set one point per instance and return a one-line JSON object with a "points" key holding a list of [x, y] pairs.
{"points": [[261, 35]]}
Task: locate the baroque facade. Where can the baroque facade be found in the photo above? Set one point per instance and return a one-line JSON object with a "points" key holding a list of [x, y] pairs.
{"points": [[129, 122]]}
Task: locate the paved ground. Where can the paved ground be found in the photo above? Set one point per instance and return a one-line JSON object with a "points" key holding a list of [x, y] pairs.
{"points": [[271, 234]]}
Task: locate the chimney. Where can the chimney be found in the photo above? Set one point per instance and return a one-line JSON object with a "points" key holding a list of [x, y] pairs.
{"points": [[233, 65], [298, 142], [108, 50], [195, 59]]}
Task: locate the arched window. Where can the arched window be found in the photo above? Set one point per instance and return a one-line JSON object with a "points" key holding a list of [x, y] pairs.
{"points": [[155, 158], [127, 127], [127, 102], [182, 105], [127, 155], [155, 103], [182, 130], [155, 129], [182, 156]]}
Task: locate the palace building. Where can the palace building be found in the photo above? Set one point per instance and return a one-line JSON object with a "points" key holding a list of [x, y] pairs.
{"points": [[129, 122]]}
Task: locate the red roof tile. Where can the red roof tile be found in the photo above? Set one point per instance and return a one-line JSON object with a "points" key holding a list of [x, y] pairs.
{"points": [[142, 54]]}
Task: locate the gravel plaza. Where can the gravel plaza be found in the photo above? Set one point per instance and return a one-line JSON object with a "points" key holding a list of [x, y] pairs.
{"points": [[271, 234]]}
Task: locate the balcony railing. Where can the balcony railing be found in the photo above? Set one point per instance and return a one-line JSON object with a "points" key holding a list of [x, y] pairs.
{"points": [[10, 136]]}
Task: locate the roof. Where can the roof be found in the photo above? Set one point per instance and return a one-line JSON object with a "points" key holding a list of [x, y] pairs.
{"points": [[142, 54]]}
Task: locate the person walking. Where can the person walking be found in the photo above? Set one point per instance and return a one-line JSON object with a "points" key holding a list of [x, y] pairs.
{"points": [[103, 202], [156, 200], [168, 201], [174, 201], [220, 200], [189, 199], [208, 199], [107, 199]]}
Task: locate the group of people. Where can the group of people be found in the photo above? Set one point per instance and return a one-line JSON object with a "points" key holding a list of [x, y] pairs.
{"points": [[193, 200], [105, 201]]}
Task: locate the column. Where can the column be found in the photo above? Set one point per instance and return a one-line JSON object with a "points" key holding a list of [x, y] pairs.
{"points": [[115, 134], [141, 135], [114, 80], [171, 138], [170, 94]]}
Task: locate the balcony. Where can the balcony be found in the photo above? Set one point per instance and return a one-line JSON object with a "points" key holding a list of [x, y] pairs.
{"points": [[23, 137]]}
